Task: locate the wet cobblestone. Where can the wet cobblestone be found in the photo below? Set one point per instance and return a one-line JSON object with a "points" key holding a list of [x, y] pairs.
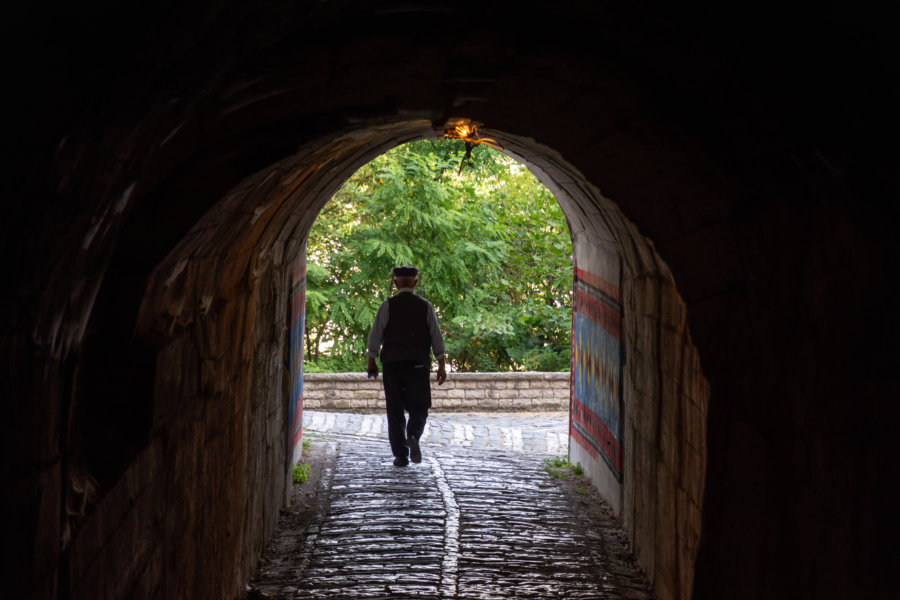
{"points": [[474, 521], [543, 432]]}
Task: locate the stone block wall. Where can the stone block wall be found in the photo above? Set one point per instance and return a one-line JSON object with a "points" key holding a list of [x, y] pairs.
{"points": [[525, 391]]}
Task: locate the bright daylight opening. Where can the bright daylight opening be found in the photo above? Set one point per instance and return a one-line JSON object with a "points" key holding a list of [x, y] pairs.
{"points": [[494, 256]]}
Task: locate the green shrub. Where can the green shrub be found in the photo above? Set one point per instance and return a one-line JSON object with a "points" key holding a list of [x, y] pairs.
{"points": [[301, 473], [561, 468]]}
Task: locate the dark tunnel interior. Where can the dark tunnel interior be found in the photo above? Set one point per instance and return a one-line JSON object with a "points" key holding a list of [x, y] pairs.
{"points": [[735, 164]]}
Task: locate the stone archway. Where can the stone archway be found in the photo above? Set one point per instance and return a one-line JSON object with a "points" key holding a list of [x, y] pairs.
{"points": [[218, 297], [725, 140]]}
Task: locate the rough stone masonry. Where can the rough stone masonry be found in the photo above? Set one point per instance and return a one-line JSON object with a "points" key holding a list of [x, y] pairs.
{"points": [[529, 390]]}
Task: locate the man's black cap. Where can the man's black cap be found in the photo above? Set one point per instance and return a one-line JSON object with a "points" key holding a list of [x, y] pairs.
{"points": [[405, 271]]}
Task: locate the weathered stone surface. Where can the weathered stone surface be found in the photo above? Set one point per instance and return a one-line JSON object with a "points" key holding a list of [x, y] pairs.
{"points": [[485, 525], [461, 391]]}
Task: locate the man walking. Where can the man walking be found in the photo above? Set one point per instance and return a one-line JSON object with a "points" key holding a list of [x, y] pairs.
{"points": [[405, 329]]}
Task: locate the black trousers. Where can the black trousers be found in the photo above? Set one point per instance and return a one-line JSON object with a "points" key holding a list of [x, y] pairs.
{"points": [[406, 388]]}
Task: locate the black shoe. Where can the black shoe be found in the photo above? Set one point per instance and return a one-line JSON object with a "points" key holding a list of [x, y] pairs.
{"points": [[415, 453], [401, 461]]}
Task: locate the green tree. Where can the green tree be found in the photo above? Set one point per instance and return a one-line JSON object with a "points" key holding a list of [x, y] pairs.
{"points": [[489, 240]]}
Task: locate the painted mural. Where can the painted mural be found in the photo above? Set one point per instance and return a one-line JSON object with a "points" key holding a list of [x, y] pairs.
{"points": [[296, 323], [597, 352]]}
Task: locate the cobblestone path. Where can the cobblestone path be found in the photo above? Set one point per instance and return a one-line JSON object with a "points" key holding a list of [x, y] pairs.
{"points": [[469, 521], [543, 433]]}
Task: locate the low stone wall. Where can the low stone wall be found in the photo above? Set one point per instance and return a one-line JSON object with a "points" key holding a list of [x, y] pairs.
{"points": [[519, 391]]}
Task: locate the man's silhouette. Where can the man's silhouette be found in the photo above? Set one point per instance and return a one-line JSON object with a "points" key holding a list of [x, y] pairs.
{"points": [[406, 330]]}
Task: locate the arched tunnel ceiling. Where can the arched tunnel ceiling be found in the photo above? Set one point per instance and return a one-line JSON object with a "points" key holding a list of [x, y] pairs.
{"points": [[210, 99], [630, 91], [269, 214], [657, 106]]}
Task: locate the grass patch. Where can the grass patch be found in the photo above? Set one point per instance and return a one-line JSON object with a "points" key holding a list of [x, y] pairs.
{"points": [[561, 468], [301, 473], [556, 462], [305, 444]]}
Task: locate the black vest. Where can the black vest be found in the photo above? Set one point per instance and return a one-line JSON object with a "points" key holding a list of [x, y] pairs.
{"points": [[406, 335]]}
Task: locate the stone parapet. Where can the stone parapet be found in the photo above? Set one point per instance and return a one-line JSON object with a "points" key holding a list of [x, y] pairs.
{"points": [[513, 391]]}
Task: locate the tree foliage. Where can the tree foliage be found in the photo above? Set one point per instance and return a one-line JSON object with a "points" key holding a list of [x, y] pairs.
{"points": [[490, 242]]}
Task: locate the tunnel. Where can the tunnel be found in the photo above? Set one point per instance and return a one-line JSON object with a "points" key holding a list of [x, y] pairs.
{"points": [[723, 180]]}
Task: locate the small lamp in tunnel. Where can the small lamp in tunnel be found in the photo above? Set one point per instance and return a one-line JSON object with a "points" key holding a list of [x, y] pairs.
{"points": [[466, 131]]}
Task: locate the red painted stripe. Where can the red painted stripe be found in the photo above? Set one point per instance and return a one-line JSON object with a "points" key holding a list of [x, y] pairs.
{"points": [[598, 312], [297, 414], [298, 269], [598, 282], [298, 299], [597, 429], [572, 364], [574, 433], [298, 303], [297, 438]]}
